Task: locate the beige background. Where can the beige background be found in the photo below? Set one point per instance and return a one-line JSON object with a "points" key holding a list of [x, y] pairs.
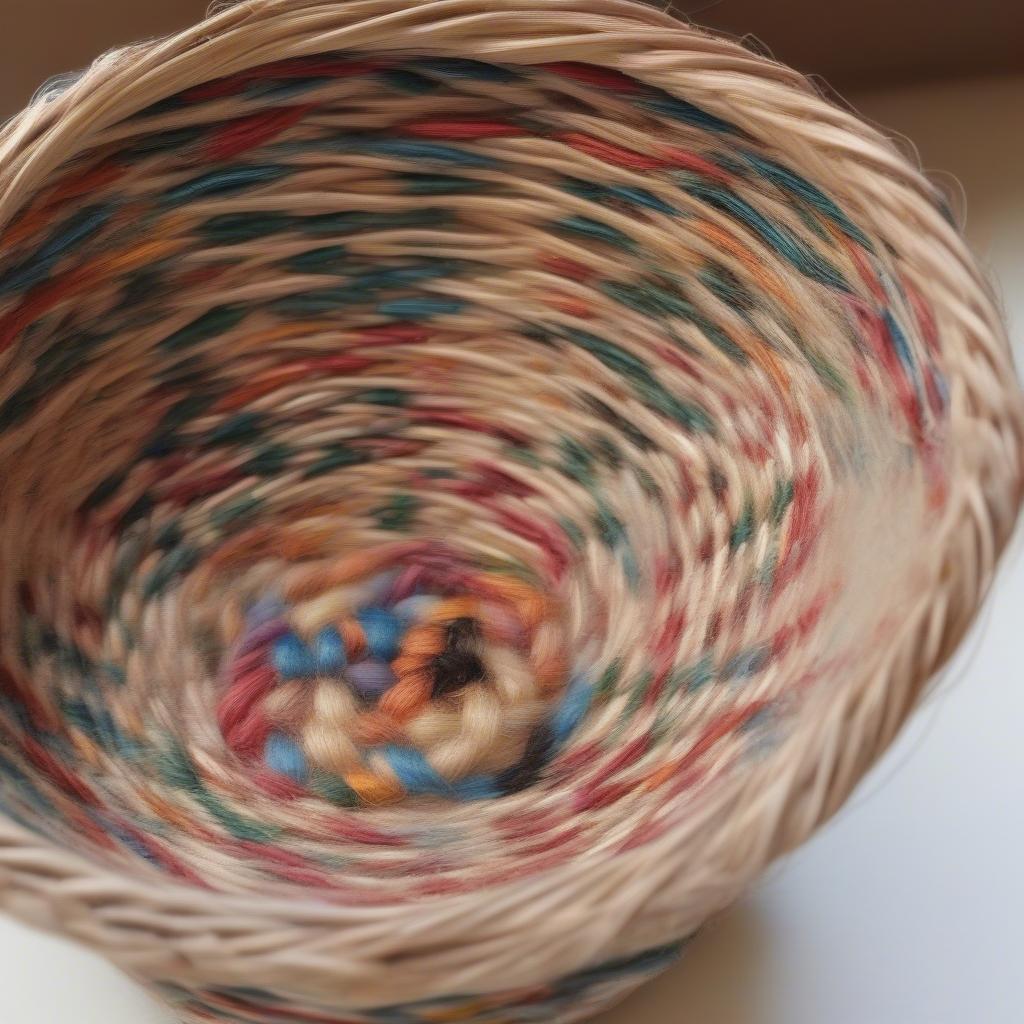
{"points": [[909, 908]]}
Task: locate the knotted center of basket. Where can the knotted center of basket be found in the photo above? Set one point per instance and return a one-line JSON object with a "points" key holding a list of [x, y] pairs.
{"points": [[427, 678]]}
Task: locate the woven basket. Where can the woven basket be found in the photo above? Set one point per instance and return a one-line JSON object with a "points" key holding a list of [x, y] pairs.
{"points": [[479, 481]]}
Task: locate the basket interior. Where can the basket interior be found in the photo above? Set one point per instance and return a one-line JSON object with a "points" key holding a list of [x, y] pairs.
{"points": [[420, 472]]}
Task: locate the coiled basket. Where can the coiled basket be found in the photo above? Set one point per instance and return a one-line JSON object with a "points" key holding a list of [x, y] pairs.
{"points": [[480, 479]]}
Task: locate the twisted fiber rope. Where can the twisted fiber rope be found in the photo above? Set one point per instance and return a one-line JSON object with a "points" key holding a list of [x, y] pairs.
{"points": [[463, 518]]}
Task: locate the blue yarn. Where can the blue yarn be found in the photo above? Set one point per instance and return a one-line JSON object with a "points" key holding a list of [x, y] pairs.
{"points": [[75, 230], [462, 67], [747, 663], [642, 197], [418, 778], [637, 196], [415, 308], [414, 772], [406, 149], [570, 712], [902, 346], [680, 110], [383, 631], [292, 658], [329, 652], [225, 180], [591, 228], [284, 756], [413, 273], [787, 179], [476, 787], [781, 239]]}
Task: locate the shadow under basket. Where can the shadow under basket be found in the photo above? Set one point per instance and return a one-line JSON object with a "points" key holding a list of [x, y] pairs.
{"points": [[479, 481]]}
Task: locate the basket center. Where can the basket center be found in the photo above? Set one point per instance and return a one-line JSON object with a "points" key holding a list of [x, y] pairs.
{"points": [[414, 680]]}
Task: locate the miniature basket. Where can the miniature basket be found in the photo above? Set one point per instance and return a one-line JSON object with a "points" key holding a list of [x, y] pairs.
{"points": [[479, 481]]}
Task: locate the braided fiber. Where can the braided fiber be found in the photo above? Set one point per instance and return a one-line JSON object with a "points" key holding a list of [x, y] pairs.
{"points": [[479, 481]]}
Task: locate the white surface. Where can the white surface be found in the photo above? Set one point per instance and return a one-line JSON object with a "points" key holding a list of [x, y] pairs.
{"points": [[909, 907]]}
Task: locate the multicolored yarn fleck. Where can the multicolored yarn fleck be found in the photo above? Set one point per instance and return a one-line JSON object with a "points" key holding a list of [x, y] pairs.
{"points": [[425, 680], [479, 482]]}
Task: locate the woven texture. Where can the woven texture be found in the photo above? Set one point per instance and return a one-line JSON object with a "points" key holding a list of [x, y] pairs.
{"points": [[479, 481]]}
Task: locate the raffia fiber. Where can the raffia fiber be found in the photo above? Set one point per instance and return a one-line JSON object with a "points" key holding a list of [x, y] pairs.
{"points": [[561, 319]]}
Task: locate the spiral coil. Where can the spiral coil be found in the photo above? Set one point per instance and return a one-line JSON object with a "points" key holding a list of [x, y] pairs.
{"points": [[478, 483]]}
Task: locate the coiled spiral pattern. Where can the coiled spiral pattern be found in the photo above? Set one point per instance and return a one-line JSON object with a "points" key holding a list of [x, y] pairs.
{"points": [[428, 480]]}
